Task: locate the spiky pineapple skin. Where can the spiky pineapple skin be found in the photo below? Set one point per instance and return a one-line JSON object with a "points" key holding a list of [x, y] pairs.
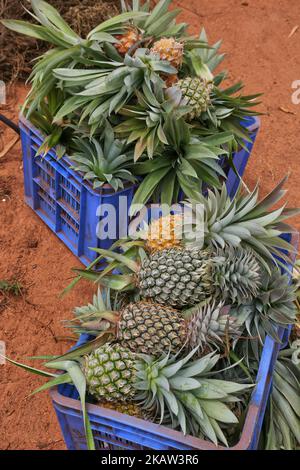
{"points": [[196, 94], [169, 49], [176, 277], [164, 233], [127, 40], [150, 328], [182, 277], [131, 409], [110, 373]]}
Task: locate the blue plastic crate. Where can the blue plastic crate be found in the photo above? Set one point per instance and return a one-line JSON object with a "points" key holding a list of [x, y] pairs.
{"points": [[65, 202], [114, 430], [72, 208]]}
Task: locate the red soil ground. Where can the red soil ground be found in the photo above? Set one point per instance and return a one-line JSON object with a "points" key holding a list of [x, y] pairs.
{"points": [[255, 34]]}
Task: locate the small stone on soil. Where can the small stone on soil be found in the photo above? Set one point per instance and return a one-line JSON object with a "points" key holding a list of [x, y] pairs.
{"points": [[32, 243]]}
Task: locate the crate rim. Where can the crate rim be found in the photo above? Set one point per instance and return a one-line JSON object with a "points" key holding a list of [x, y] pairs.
{"points": [[153, 428], [196, 443]]}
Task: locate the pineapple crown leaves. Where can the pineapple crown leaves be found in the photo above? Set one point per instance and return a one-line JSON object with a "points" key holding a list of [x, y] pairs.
{"points": [[217, 324], [52, 26], [55, 30], [282, 423], [228, 111], [200, 59], [96, 317], [247, 222], [58, 134], [42, 78], [103, 161], [127, 265], [237, 274], [145, 121], [108, 88], [160, 22], [273, 305], [185, 164], [115, 25], [210, 55], [186, 390], [277, 295]]}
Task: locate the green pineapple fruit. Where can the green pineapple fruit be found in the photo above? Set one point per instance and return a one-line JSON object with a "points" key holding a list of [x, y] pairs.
{"points": [[110, 372], [150, 328], [196, 94], [176, 277], [183, 390], [185, 276]]}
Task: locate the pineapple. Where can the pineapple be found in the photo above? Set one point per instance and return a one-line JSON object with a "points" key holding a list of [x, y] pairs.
{"points": [[176, 277], [158, 385], [183, 277], [241, 222], [164, 233], [110, 372], [169, 49], [196, 94], [150, 328], [127, 40], [182, 393]]}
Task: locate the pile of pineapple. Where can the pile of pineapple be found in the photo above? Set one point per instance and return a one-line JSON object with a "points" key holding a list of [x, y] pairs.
{"points": [[178, 322], [176, 328], [136, 100]]}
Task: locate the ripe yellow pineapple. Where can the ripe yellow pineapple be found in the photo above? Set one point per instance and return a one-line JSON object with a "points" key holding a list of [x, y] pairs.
{"points": [[127, 40], [164, 233], [169, 49]]}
